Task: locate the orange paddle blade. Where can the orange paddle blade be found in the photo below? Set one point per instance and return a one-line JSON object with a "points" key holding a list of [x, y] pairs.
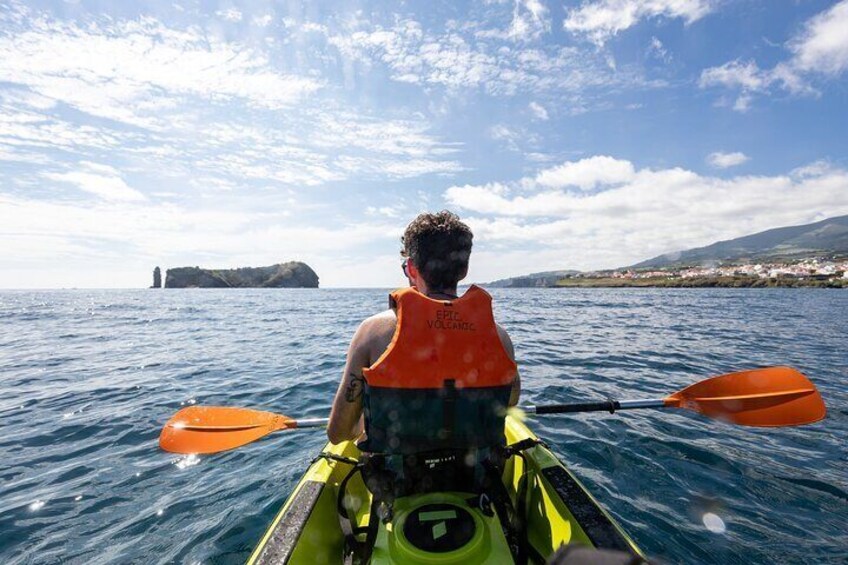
{"points": [[771, 397], [210, 429]]}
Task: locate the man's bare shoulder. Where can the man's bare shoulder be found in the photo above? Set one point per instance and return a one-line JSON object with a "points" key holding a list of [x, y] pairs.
{"points": [[506, 341], [380, 324], [376, 334]]}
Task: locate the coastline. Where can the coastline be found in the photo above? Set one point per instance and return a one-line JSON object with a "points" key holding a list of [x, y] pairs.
{"points": [[700, 282]]}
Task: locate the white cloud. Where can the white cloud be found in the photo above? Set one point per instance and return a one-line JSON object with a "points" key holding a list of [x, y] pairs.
{"points": [[746, 76], [209, 109], [415, 58], [28, 126], [539, 111], [650, 213], [749, 79], [587, 173], [539, 157], [25, 98], [311, 27], [743, 102], [413, 168], [529, 22], [310, 149], [821, 48], [383, 147], [389, 136], [134, 71], [230, 14], [22, 129], [456, 59], [263, 21], [816, 169], [602, 19], [501, 132], [658, 50], [387, 211], [823, 44], [101, 180], [721, 160]]}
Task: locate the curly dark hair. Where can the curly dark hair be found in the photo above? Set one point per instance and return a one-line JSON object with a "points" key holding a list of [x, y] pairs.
{"points": [[439, 245]]}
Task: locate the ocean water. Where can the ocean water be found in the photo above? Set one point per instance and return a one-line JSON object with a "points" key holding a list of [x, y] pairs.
{"points": [[87, 378]]}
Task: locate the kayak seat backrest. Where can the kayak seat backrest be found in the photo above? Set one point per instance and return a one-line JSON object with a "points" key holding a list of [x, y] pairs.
{"points": [[407, 421], [448, 470]]}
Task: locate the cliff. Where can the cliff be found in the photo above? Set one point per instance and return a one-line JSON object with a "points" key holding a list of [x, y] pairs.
{"points": [[293, 274], [545, 279]]}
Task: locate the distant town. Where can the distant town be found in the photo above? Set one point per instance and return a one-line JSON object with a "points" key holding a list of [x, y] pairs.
{"points": [[793, 256], [815, 272]]}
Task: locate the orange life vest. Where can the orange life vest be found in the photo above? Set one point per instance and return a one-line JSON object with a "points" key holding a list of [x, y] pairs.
{"points": [[443, 382]]}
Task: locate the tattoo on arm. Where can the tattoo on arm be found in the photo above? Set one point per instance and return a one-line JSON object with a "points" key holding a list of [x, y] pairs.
{"points": [[354, 387]]}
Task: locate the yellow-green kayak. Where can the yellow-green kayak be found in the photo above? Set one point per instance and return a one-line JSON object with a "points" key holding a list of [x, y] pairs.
{"points": [[558, 510]]}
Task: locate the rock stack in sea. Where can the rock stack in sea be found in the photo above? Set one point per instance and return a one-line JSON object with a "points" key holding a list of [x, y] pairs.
{"points": [[293, 274], [157, 278]]}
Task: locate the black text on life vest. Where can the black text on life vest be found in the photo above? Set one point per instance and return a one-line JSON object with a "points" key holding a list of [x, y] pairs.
{"points": [[449, 320]]}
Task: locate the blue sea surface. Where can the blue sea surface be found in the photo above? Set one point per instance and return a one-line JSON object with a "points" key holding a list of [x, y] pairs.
{"points": [[88, 378]]}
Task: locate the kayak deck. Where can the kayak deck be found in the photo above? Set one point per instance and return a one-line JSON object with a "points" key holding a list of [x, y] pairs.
{"points": [[559, 510]]}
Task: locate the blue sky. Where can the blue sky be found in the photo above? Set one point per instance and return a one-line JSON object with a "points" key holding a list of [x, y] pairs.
{"points": [[588, 134]]}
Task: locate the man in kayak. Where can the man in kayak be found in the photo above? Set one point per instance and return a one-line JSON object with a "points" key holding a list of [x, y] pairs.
{"points": [[425, 388], [433, 371]]}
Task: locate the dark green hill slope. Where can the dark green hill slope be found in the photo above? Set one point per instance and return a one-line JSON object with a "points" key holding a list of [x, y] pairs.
{"points": [[827, 237], [547, 278]]}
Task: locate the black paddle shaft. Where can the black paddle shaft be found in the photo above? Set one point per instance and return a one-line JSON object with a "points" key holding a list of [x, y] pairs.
{"points": [[608, 405], [605, 406]]}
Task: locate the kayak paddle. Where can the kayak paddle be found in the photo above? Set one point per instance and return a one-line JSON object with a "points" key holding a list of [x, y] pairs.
{"points": [[769, 397], [210, 429]]}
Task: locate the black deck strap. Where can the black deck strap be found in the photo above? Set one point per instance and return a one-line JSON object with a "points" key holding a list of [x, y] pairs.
{"points": [[371, 531], [597, 525], [523, 445], [348, 529], [520, 525], [334, 457], [357, 551], [521, 503], [499, 497]]}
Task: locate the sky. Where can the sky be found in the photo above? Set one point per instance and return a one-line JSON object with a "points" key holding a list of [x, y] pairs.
{"points": [[569, 135]]}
